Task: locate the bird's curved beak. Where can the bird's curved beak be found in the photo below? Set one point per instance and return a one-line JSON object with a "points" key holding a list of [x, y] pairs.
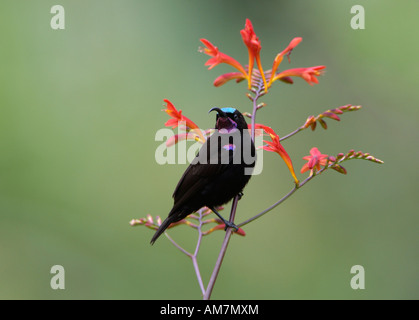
{"points": [[219, 111]]}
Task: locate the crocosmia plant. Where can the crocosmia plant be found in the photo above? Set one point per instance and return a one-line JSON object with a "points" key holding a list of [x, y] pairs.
{"points": [[259, 82]]}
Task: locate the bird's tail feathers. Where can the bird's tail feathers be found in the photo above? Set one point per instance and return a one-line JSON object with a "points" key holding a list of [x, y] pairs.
{"points": [[166, 223]]}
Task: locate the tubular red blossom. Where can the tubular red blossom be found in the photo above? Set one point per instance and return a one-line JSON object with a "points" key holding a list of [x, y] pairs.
{"points": [[221, 226], [315, 160], [275, 146], [183, 136], [227, 77], [308, 74], [250, 39], [178, 117], [253, 46], [254, 75], [268, 130], [294, 42], [219, 57]]}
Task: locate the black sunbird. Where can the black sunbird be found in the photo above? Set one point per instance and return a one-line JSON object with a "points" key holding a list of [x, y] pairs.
{"points": [[219, 172]]}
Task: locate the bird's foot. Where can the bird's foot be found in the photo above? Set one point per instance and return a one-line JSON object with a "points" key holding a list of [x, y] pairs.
{"points": [[240, 195], [229, 224]]}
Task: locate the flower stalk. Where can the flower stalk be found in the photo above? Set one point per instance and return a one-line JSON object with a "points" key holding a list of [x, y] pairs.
{"points": [[258, 83]]}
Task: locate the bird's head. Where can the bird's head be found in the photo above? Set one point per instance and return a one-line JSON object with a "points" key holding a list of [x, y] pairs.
{"points": [[229, 119]]}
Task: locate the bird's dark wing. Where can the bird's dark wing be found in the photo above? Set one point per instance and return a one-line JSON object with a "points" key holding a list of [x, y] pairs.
{"points": [[203, 170], [195, 178]]}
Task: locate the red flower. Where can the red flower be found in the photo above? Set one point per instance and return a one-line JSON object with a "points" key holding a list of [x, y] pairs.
{"points": [[253, 46], [252, 75], [219, 57], [221, 226], [281, 55], [178, 118], [191, 136], [308, 74], [275, 146], [315, 160], [229, 76]]}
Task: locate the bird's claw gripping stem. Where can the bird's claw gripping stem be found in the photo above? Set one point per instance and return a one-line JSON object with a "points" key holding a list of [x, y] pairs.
{"points": [[229, 224]]}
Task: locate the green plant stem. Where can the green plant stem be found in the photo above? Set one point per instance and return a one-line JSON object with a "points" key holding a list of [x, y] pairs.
{"points": [[194, 256], [258, 93], [289, 194], [292, 133], [213, 279]]}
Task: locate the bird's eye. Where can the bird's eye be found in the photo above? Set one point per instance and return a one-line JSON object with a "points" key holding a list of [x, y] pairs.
{"points": [[236, 116]]}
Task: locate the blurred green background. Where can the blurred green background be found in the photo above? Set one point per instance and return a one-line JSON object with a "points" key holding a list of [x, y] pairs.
{"points": [[80, 108]]}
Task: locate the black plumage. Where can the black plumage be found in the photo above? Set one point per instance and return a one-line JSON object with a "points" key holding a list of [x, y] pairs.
{"points": [[219, 172]]}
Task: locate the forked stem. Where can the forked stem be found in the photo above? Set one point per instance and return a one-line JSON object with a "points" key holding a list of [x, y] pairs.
{"points": [[258, 93]]}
